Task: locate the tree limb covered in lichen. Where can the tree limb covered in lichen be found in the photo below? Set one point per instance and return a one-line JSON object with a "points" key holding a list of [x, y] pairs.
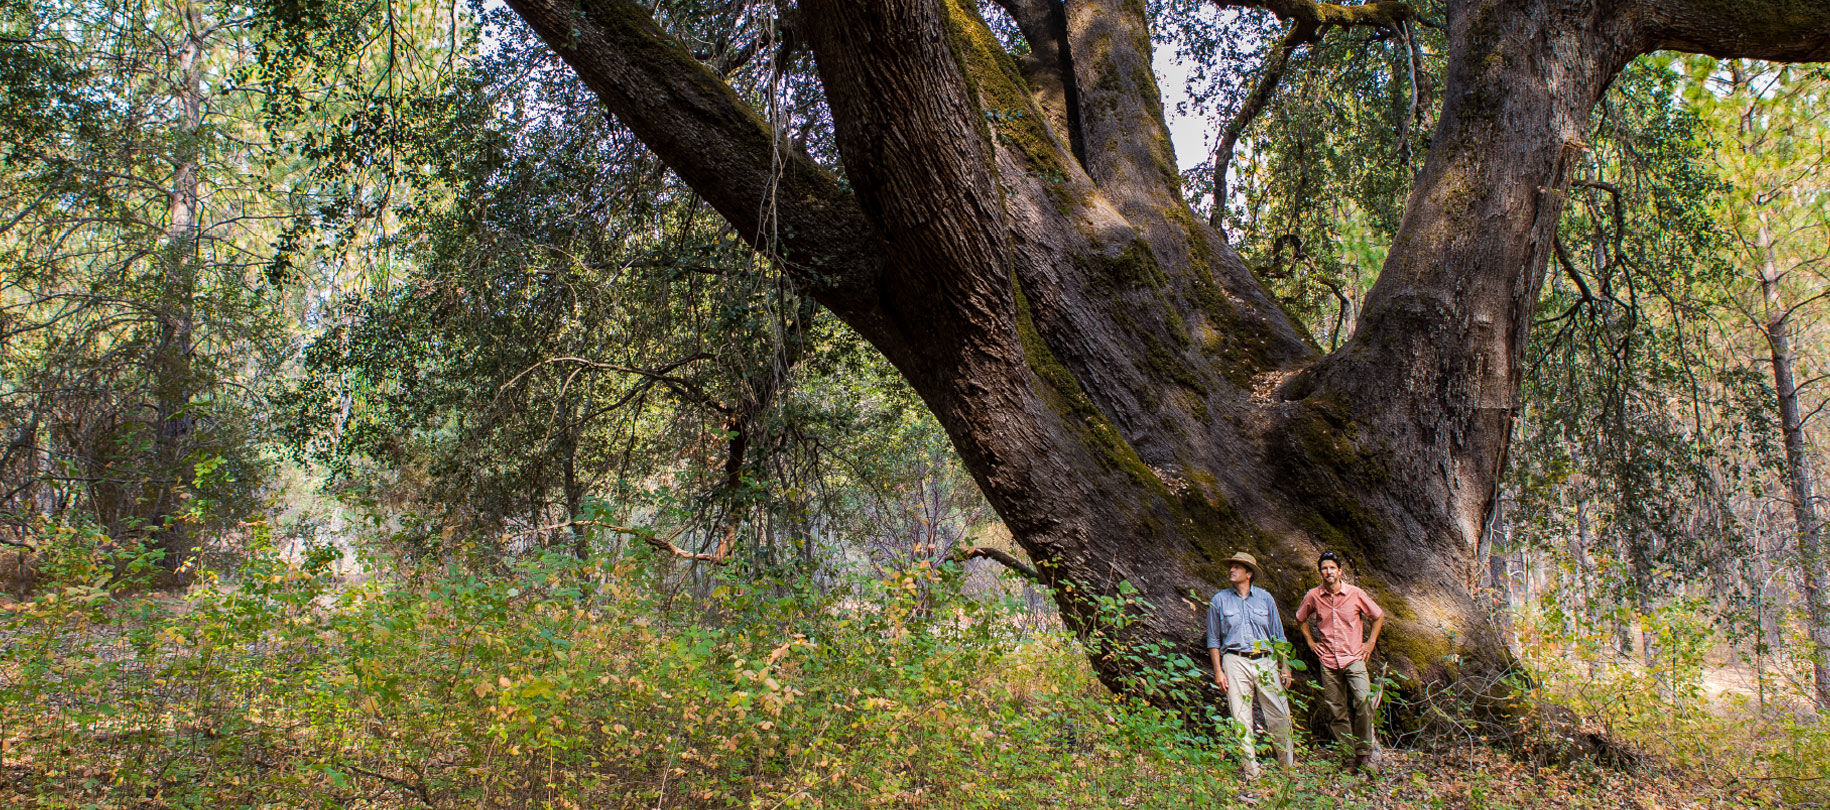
{"points": [[1383, 14], [1778, 30]]}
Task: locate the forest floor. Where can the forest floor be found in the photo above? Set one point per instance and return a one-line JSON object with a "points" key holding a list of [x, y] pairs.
{"points": [[1487, 778], [1440, 778]]}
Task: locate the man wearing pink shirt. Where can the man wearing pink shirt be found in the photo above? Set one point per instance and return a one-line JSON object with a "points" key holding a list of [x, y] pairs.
{"points": [[1339, 611]]}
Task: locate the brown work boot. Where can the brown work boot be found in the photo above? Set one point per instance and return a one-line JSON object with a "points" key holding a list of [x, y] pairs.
{"points": [[1359, 761]]}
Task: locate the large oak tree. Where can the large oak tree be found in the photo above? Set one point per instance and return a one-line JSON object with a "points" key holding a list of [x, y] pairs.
{"points": [[1012, 234]]}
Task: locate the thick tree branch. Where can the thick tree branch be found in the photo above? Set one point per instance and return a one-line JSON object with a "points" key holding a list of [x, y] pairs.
{"points": [[1385, 14], [1128, 152], [1776, 30], [1050, 66], [769, 191], [912, 136]]}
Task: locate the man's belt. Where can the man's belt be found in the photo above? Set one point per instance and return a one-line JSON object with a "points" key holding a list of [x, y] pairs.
{"points": [[1252, 655]]}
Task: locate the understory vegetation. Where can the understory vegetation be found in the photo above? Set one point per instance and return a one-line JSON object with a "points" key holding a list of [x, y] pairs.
{"points": [[629, 681]]}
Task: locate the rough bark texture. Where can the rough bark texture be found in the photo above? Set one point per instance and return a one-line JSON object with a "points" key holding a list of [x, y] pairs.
{"points": [[1130, 399]]}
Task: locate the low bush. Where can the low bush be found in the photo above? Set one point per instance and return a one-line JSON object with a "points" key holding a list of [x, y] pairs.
{"points": [[1771, 750], [566, 684]]}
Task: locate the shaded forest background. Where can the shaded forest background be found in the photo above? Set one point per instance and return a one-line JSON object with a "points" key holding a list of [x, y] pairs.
{"points": [[383, 423]]}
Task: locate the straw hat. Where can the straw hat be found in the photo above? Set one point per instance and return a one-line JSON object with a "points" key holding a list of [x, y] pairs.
{"points": [[1246, 560]]}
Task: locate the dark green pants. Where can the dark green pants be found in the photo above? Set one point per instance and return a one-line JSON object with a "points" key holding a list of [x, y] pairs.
{"points": [[1347, 702]]}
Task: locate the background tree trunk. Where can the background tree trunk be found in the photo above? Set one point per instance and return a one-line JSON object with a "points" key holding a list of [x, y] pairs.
{"points": [[172, 374], [1813, 570]]}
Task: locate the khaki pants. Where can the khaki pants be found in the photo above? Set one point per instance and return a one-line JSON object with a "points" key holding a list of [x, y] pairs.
{"points": [[1254, 681], [1347, 695]]}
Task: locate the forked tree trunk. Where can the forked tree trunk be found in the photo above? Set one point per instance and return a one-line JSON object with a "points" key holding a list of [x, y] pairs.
{"points": [[1130, 399]]}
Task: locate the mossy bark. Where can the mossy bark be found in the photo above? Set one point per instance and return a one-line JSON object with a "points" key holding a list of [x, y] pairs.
{"points": [[1131, 400]]}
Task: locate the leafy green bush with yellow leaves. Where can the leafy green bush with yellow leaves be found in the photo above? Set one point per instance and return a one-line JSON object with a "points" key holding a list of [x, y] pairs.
{"points": [[567, 684]]}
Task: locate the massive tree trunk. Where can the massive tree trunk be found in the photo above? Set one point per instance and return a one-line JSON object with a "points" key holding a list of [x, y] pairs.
{"points": [[1131, 400]]}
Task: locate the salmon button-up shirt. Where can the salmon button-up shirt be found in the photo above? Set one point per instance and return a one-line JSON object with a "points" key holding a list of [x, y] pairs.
{"points": [[1340, 618]]}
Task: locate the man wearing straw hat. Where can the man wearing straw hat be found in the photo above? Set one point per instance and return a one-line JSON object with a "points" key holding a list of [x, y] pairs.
{"points": [[1243, 626]]}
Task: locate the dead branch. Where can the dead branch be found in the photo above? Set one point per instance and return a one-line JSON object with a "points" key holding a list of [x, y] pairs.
{"points": [[1569, 269], [1411, 60], [1015, 565], [717, 556], [659, 374], [418, 789]]}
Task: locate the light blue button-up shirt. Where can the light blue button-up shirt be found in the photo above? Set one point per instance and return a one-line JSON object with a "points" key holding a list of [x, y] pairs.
{"points": [[1237, 623]]}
